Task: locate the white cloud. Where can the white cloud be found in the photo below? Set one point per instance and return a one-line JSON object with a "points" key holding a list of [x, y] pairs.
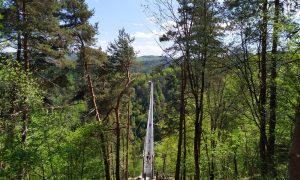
{"points": [[101, 43], [152, 20], [138, 24], [147, 48], [166, 24], [148, 35], [143, 35], [9, 50], [145, 43], [169, 24], [157, 33]]}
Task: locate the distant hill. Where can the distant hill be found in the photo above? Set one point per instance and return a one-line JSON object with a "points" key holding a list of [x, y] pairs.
{"points": [[149, 58], [143, 64], [147, 63]]}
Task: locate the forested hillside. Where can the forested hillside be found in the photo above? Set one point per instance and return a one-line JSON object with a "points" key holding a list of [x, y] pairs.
{"points": [[147, 63], [226, 92]]}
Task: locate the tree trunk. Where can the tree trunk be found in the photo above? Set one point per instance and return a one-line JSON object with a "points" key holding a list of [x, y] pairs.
{"points": [[181, 119], [26, 69], [127, 136], [111, 157], [25, 51], [88, 78], [117, 113], [164, 156], [123, 155], [196, 140], [273, 91], [19, 40], [294, 155], [184, 150], [201, 104], [207, 154], [82, 162], [105, 157], [213, 146], [94, 101], [91, 87], [236, 173], [118, 141], [25, 117], [263, 84]]}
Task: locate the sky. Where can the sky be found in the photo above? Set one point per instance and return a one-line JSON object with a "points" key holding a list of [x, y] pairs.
{"points": [[113, 15]]}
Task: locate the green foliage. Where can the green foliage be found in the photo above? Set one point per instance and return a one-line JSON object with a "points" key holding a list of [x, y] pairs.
{"points": [[121, 52], [149, 58], [17, 89], [145, 64], [65, 142]]}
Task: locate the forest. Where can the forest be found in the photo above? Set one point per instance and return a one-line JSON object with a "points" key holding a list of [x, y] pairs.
{"points": [[226, 92]]}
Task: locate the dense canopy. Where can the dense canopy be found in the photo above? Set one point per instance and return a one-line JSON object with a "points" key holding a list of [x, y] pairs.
{"points": [[226, 92]]}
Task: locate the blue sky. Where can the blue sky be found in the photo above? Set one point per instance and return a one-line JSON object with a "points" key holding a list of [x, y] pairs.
{"points": [[113, 15]]}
